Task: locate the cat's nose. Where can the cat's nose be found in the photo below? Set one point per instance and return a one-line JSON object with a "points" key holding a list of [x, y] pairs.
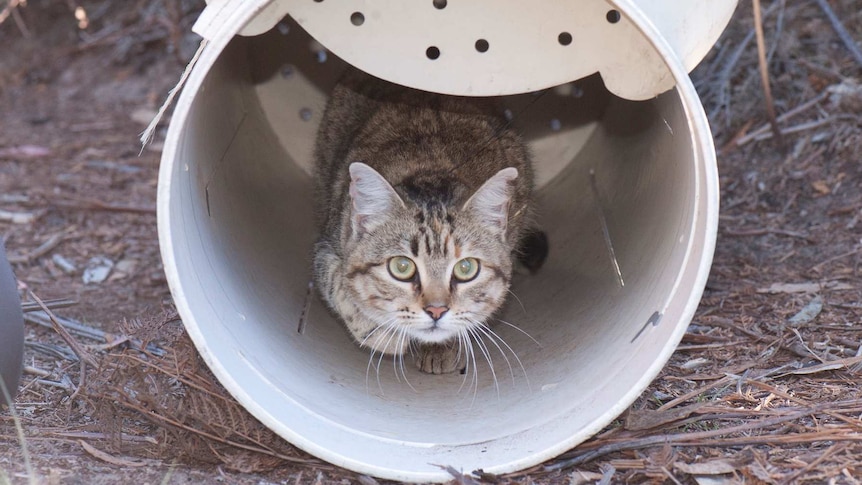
{"points": [[436, 312]]}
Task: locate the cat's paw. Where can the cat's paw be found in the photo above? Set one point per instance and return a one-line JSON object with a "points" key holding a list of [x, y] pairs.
{"points": [[438, 358]]}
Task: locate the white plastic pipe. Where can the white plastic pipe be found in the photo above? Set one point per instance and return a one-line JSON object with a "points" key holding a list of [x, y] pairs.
{"points": [[236, 230]]}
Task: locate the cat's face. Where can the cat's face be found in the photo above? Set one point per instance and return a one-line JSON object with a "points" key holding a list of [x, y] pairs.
{"points": [[428, 271]]}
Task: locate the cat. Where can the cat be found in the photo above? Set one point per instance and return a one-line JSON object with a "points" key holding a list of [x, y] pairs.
{"points": [[422, 201]]}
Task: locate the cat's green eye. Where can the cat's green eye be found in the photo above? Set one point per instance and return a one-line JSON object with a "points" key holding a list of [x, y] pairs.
{"points": [[466, 269], [402, 268]]}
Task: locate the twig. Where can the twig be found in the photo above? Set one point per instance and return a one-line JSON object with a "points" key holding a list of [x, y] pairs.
{"points": [[81, 330], [19, 22], [766, 230], [86, 204], [820, 265], [793, 129], [60, 329], [742, 140], [696, 392], [826, 454], [30, 306], [45, 248], [841, 31], [102, 436], [164, 420], [57, 351], [764, 69], [695, 438], [36, 371], [6, 397]]}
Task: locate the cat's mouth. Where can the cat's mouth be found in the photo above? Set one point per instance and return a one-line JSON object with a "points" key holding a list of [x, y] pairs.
{"points": [[433, 333]]}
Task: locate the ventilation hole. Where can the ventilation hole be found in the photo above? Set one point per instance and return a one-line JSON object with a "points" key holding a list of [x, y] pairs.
{"points": [[287, 71], [321, 56], [357, 18], [564, 38], [432, 52], [577, 91], [439, 4], [507, 113], [482, 45], [283, 28], [613, 16], [556, 125], [305, 114]]}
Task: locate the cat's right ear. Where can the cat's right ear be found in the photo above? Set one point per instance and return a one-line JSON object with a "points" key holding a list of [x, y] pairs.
{"points": [[373, 199]]}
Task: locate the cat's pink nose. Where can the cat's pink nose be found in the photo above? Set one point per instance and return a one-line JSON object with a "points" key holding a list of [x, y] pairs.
{"points": [[436, 312]]}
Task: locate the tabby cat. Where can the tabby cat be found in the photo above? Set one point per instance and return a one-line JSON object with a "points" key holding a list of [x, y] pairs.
{"points": [[423, 200]]}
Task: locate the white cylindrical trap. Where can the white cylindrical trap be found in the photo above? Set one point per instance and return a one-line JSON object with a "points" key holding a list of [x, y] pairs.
{"points": [[627, 191]]}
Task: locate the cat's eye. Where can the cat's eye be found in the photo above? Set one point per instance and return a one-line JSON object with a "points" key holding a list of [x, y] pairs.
{"points": [[402, 268], [466, 269]]}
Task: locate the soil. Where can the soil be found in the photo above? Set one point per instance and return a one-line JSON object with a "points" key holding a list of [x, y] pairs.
{"points": [[74, 98]]}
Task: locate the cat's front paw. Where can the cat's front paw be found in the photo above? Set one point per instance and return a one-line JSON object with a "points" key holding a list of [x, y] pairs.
{"points": [[439, 358]]}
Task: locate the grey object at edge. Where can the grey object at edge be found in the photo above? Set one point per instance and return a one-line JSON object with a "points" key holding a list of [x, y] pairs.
{"points": [[11, 329]]}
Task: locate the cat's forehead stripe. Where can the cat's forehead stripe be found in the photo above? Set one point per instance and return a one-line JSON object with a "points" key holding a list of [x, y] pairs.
{"points": [[360, 269], [414, 245]]}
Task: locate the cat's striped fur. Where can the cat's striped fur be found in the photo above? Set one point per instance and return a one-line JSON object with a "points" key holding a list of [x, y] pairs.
{"points": [[435, 179]]}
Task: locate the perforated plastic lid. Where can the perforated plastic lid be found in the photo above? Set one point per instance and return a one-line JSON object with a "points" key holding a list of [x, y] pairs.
{"points": [[497, 47]]}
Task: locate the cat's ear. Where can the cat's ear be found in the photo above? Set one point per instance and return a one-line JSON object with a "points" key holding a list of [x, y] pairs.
{"points": [[374, 200], [491, 202]]}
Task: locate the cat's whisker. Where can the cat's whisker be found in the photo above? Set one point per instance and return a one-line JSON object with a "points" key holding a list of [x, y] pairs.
{"points": [[373, 352], [461, 344], [484, 349], [382, 325], [493, 337], [391, 330], [520, 330], [494, 334], [400, 357], [517, 299], [475, 378], [411, 346], [396, 354]]}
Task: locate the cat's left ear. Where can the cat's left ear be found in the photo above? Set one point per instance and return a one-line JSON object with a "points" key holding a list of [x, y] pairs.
{"points": [[374, 200], [491, 202]]}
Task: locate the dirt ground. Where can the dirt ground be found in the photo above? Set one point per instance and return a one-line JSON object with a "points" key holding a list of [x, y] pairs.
{"points": [[763, 388]]}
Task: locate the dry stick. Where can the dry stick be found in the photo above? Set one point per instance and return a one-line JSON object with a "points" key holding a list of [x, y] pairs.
{"points": [[727, 70], [179, 377], [42, 250], [808, 125], [696, 392], [19, 430], [177, 424], [19, 22], [86, 204], [841, 31], [764, 68], [54, 304], [826, 454], [766, 230], [82, 354], [784, 117], [82, 330], [691, 439], [778, 392], [819, 266]]}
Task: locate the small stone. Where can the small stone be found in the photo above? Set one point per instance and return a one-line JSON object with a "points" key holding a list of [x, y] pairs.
{"points": [[64, 264], [97, 270]]}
